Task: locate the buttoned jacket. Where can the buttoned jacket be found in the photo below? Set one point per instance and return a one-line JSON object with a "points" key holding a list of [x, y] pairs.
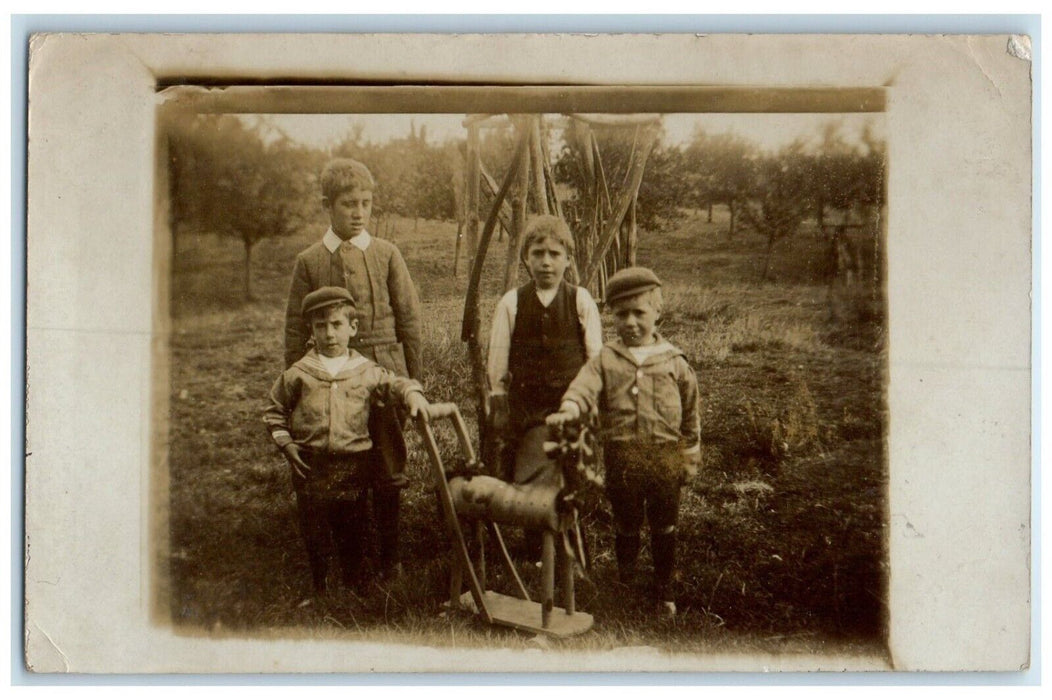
{"points": [[389, 333], [330, 413], [655, 400]]}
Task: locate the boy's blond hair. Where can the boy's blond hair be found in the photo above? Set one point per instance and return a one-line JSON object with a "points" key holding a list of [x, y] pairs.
{"points": [[539, 228], [342, 174]]}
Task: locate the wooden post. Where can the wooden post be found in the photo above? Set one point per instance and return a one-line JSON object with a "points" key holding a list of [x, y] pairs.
{"points": [[601, 288], [518, 210], [458, 180], [624, 199], [549, 180], [582, 142], [471, 191], [633, 234], [480, 535], [489, 188], [456, 248], [456, 577], [547, 576], [601, 184], [537, 182], [469, 329], [569, 603]]}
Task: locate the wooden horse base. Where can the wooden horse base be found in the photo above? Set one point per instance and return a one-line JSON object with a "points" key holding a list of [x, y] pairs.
{"points": [[525, 615], [485, 498]]}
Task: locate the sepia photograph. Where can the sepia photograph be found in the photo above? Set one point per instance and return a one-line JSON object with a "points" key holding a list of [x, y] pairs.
{"points": [[607, 372], [764, 234]]}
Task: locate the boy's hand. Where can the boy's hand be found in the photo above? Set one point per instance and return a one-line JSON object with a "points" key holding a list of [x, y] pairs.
{"points": [[417, 405], [691, 462], [568, 413], [292, 454], [499, 412]]}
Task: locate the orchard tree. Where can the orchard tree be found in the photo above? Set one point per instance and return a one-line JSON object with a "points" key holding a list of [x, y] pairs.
{"points": [[872, 168], [664, 191], [719, 170], [780, 197], [226, 178], [414, 179], [845, 174]]}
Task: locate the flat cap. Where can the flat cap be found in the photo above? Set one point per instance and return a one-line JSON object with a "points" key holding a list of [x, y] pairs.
{"points": [[630, 282], [326, 296]]}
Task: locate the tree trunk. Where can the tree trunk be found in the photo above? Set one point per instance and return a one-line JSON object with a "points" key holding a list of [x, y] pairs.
{"points": [[456, 248], [767, 260], [730, 230], [710, 213], [821, 214], [248, 268]]}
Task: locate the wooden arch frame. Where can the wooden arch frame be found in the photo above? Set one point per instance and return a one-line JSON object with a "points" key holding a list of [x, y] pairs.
{"points": [[604, 243]]}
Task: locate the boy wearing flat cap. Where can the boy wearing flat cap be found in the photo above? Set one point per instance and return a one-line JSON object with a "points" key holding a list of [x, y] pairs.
{"points": [[647, 398], [318, 416]]}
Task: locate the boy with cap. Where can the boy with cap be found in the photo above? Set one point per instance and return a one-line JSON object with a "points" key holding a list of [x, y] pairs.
{"points": [[388, 320], [647, 398], [319, 416]]}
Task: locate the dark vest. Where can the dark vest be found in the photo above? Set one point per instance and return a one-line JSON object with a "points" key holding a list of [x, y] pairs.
{"points": [[547, 350]]}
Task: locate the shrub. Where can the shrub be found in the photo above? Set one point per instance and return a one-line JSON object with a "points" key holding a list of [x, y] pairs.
{"points": [[774, 433]]}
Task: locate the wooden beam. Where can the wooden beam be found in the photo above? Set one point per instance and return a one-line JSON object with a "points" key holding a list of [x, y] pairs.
{"points": [[238, 97], [479, 119], [616, 120]]}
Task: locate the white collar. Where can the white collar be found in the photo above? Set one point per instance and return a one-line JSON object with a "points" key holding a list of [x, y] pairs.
{"points": [[333, 365], [353, 359], [332, 241]]}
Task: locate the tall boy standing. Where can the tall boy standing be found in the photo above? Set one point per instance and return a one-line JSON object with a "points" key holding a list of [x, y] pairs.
{"points": [[388, 313], [647, 398], [542, 333]]}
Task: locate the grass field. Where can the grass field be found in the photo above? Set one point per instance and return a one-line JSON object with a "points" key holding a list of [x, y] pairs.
{"points": [[782, 534]]}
